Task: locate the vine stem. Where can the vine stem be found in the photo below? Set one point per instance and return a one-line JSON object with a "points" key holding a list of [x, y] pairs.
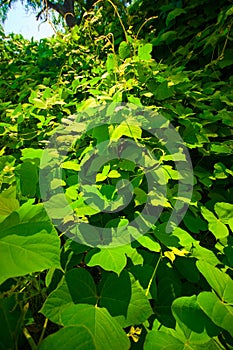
{"points": [[119, 17], [120, 20], [29, 339], [148, 19], [153, 275], [43, 331]]}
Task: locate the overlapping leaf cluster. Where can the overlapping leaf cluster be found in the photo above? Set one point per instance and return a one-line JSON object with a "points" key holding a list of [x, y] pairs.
{"points": [[163, 290]]}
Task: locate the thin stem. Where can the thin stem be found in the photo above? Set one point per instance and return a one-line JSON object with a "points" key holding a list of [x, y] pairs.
{"points": [[148, 19], [43, 331], [119, 17], [153, 275], [29, 339]]}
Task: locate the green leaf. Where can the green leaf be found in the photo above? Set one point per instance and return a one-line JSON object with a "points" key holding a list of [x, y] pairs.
{"points": [[139, 309], [81, 286], [163, 92], [179, 237], [70, 165], [124, 129], [189, 333], [28, 172], [124, 50], [220, 313], [100, 177], [220, 171], [191, 318], [205, 254], [149, 243], [187, 268], [113, 174], [126, 165], [38, 103], [77, 286], [144, 52], [173, 14], [115, 294], [71, 337], [27, 248], [31, 153], [168, 339], [29, 212], [225, 213], [8, 201], [166, 37], [158, 340], [215, 225], [218, 280], [229, 11], [140, 196], [56, 302], [58, 207], [221, 148], [110, 259], [111, 63], [194, 223], [103, 328]]}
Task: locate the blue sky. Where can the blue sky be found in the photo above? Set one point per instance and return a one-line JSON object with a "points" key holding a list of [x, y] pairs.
{"points": [[20, 22]]}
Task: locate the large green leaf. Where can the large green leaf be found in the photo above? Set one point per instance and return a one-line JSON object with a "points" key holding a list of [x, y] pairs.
{"points": [[161, 340], [187, 268], [71, 337], [168, 289], [77, 286], [28, 247], [56, 302], [116, 293], [221, 314], [157, 340], [139, 309], [218, 280], [193, 330], [103, 328], [191, 318]]}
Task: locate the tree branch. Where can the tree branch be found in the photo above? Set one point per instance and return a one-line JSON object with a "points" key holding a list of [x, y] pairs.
{"points": [[66, 10]]}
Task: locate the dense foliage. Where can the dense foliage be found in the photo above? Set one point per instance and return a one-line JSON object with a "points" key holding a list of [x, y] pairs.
{"points": [[164, 290]]}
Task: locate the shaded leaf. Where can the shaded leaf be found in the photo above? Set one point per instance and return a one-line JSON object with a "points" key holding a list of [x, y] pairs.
{"points": [[104, 329]]}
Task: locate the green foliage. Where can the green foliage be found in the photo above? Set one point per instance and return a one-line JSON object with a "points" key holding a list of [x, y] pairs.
{"points": [[163, 290]]}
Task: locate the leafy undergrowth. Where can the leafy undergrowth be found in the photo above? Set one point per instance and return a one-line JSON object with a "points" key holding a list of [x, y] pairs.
{"points": [[164, 290]]}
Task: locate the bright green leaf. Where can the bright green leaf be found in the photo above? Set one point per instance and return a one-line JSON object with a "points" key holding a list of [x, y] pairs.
{"points": [[27, 248], [220, 313], [215, 225]]}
